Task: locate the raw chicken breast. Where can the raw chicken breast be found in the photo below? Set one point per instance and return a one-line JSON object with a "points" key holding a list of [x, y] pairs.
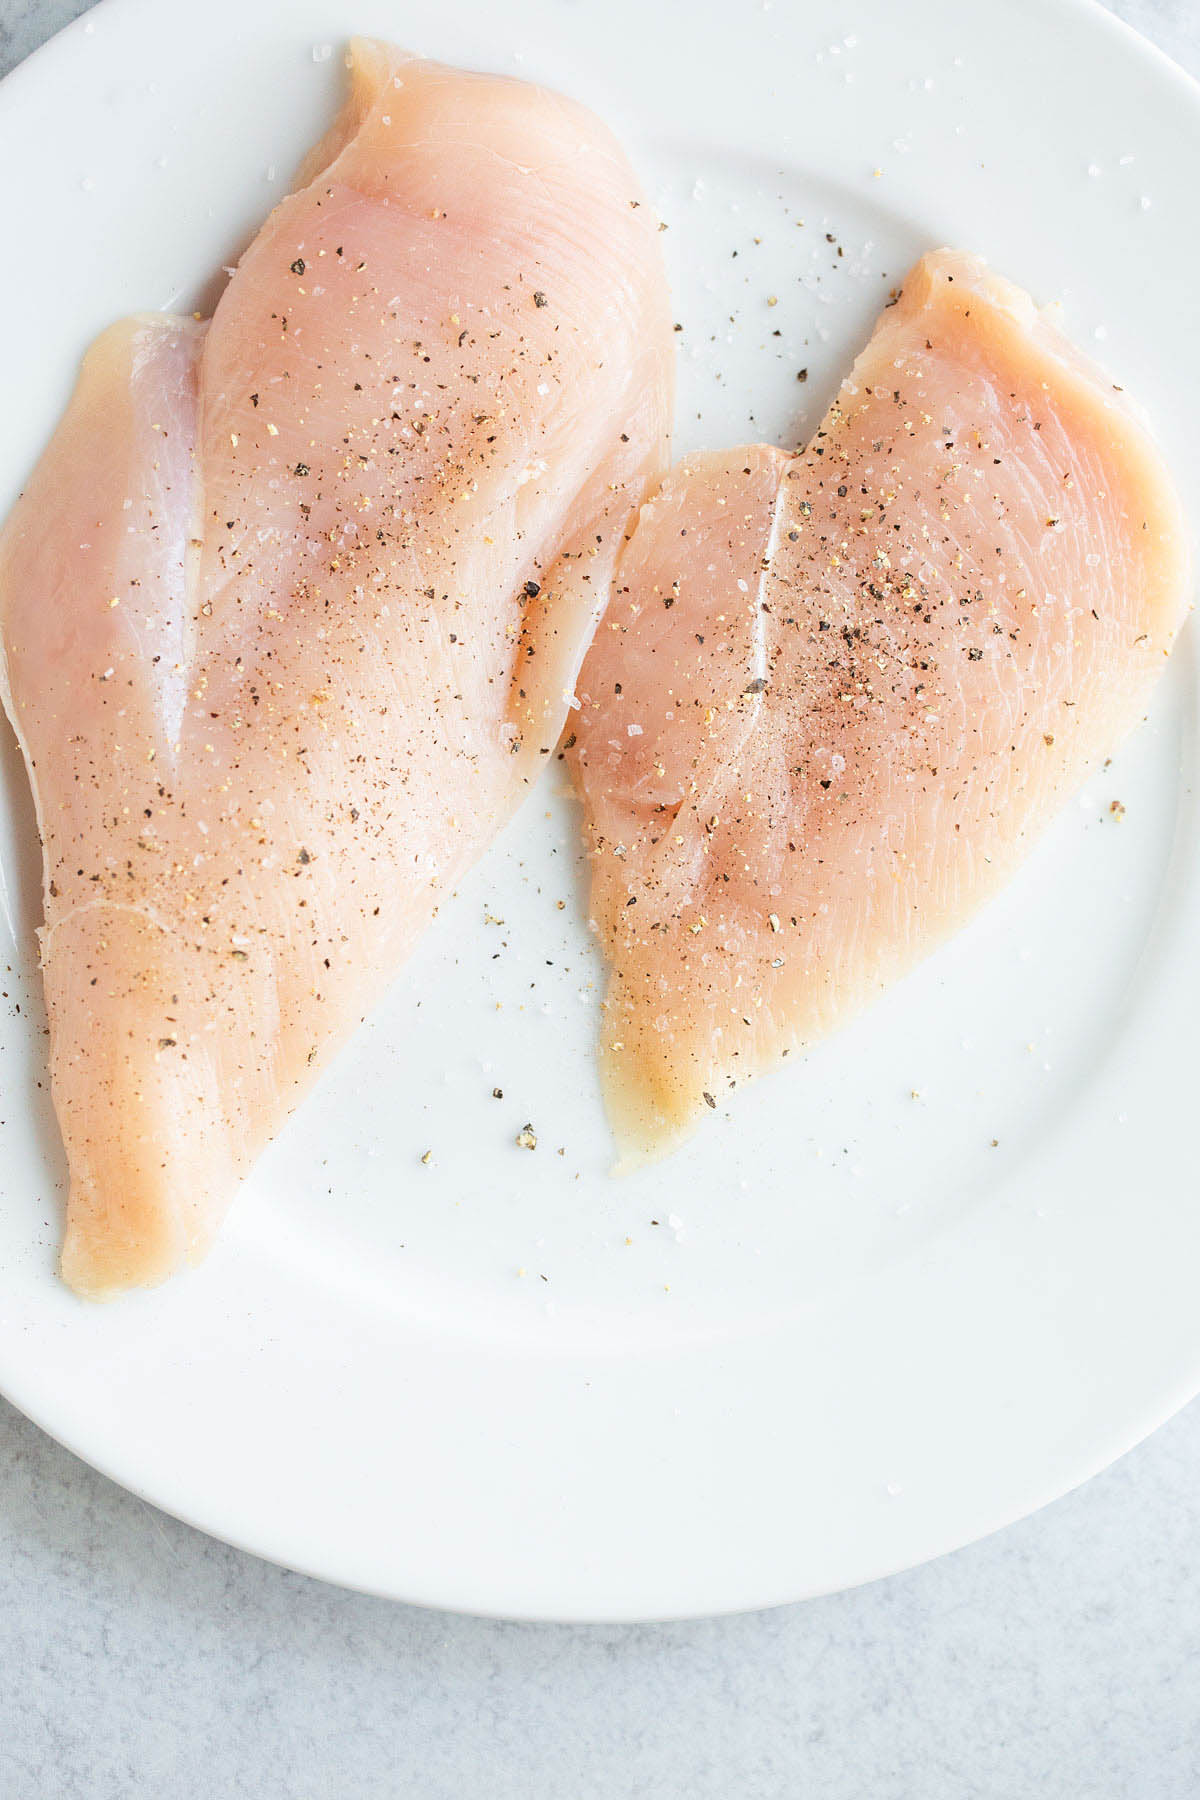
{"points": [[293, 606], [836, 697]]}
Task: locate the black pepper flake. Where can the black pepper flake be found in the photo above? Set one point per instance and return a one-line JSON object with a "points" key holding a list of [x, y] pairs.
{"points": [[304, 857], [709, 1101], [533, 589], [298, 266], [539, 299], [757, 686], [303, 469]]}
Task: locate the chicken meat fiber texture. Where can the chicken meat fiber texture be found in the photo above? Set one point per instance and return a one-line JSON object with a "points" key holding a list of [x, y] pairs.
{"points": [[293, 607], [837, 696]]}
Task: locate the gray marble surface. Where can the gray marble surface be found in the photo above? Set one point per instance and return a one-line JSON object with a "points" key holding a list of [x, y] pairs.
{"points": [[1060, 1659]]}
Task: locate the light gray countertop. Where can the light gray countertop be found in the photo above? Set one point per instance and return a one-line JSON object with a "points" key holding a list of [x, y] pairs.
{"points": [[1058, 1659]]}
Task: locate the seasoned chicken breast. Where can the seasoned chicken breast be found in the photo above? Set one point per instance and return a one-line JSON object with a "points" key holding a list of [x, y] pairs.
{"points": [[292, 609], [837, 697]]}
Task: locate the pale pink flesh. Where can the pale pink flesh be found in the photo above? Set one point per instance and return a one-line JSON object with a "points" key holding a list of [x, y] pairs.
{"points": [[293, 607], [836, 698]]}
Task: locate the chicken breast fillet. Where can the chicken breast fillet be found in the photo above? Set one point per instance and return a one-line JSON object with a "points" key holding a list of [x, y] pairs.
{"points": [[837, 697], [292, 608]]}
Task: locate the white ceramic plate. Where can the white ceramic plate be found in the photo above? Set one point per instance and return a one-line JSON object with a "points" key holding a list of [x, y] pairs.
{"points": [[850, 1328]]}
